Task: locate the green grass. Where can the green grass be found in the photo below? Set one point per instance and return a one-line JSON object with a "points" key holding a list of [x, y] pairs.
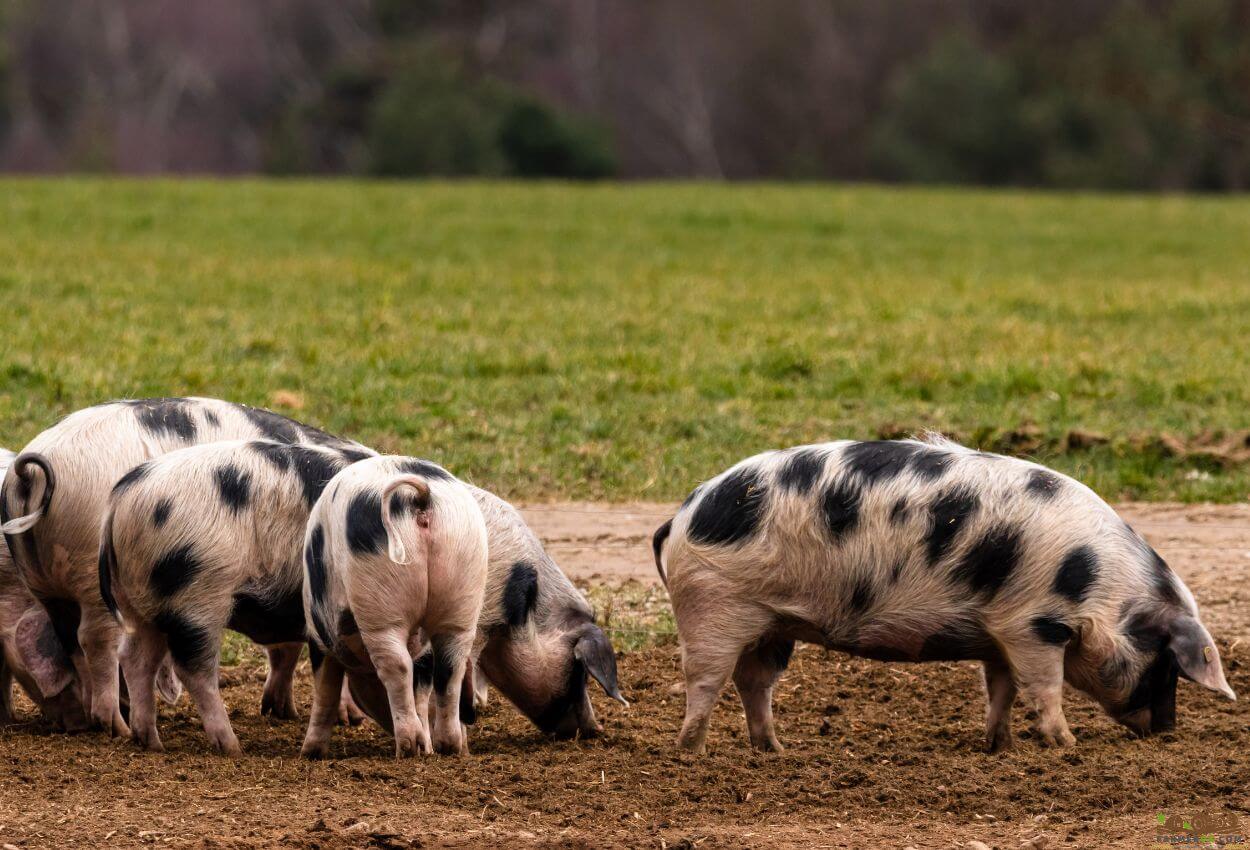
{"points": [[625, 342]]}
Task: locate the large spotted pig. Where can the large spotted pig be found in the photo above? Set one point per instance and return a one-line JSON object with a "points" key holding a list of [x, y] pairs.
{"points": [[200, 540], [30, 652], [926, 550], [54, 498], [394, 558]]}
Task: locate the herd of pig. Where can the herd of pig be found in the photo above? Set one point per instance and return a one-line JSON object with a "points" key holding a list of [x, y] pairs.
{"points": [[137, 532]]}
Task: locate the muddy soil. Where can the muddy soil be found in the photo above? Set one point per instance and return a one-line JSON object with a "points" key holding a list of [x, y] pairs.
{"points": [[878, 755]]}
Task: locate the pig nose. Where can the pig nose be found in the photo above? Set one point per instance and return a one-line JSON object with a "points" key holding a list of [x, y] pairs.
{"points": [[1137, 722]]}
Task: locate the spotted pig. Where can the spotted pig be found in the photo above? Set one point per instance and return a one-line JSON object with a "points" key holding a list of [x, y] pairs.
{"points": [[923, 551], [200, 540], [54, 497], [394, 559]]}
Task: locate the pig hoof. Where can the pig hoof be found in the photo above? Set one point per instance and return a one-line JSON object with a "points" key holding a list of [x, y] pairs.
{"points": [[279, 708], [314, 752], [147, 740], [229, 749], [768, 745], [998, 741], [350, 716], [693, 746], [1060, 740], [114, 726]]}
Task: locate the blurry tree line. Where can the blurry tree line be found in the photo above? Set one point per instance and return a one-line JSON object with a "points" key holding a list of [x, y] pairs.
{"points": [[1086, 93]]}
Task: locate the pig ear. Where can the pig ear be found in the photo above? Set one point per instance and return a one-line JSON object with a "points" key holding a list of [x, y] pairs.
{"points": [[41, 653], [1196, 655], [594, 650], [167, 683]]}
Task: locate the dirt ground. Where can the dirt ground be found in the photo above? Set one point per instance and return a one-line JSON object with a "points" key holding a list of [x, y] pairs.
{"points": [[878, 755]]}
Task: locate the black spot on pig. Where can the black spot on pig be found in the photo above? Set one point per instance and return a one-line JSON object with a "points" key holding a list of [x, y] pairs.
{"points": [[347, 624], [315, 564], [66, 615], [800, 469], [405, 502], [189, 644], [165, 417], [961, 641], [1165, 582], [160, 514], [234, 486], [468, 711], [520, 593], [896, 571], [1043, 484], [1051, 630], [211, 419], [840, 507], [691, 496], [316, 575], [354, 455], [272, 425], [365, 533], [951, 512], [775, 652], [862, 596], [1076, 574], [275, 453], [423, 671], [315, 468], [875, 461], [268, 620], [425, 469], [442, 668], [1145, 631], [932, 464], [1156, 689], [732, 511], [899, 512], [131, 478], [174, 570], [657, 544], [990, 561]]}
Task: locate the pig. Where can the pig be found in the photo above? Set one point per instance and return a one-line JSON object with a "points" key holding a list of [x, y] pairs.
{"points": [[30, 652], [53, 500], [538, 641], [395, 557], [199, 540], [924, 550]]}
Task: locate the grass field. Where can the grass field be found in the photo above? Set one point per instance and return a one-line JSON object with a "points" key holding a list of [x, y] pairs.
{"points": [[625, 342]]}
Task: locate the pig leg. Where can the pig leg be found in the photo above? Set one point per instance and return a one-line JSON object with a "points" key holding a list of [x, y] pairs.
{"points": [[327, 694], [423, 687], [99, 636], [1039, 672], [757, 671], [388, 650], [279, 696], [349, 714], [200, 676], [142, 654], [481, 688], [714, 633], [6, 692], [451, 655], [1000, 693]]}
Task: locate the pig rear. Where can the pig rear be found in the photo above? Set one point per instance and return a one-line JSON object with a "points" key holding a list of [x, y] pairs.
{"points": [[395, 558]]}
